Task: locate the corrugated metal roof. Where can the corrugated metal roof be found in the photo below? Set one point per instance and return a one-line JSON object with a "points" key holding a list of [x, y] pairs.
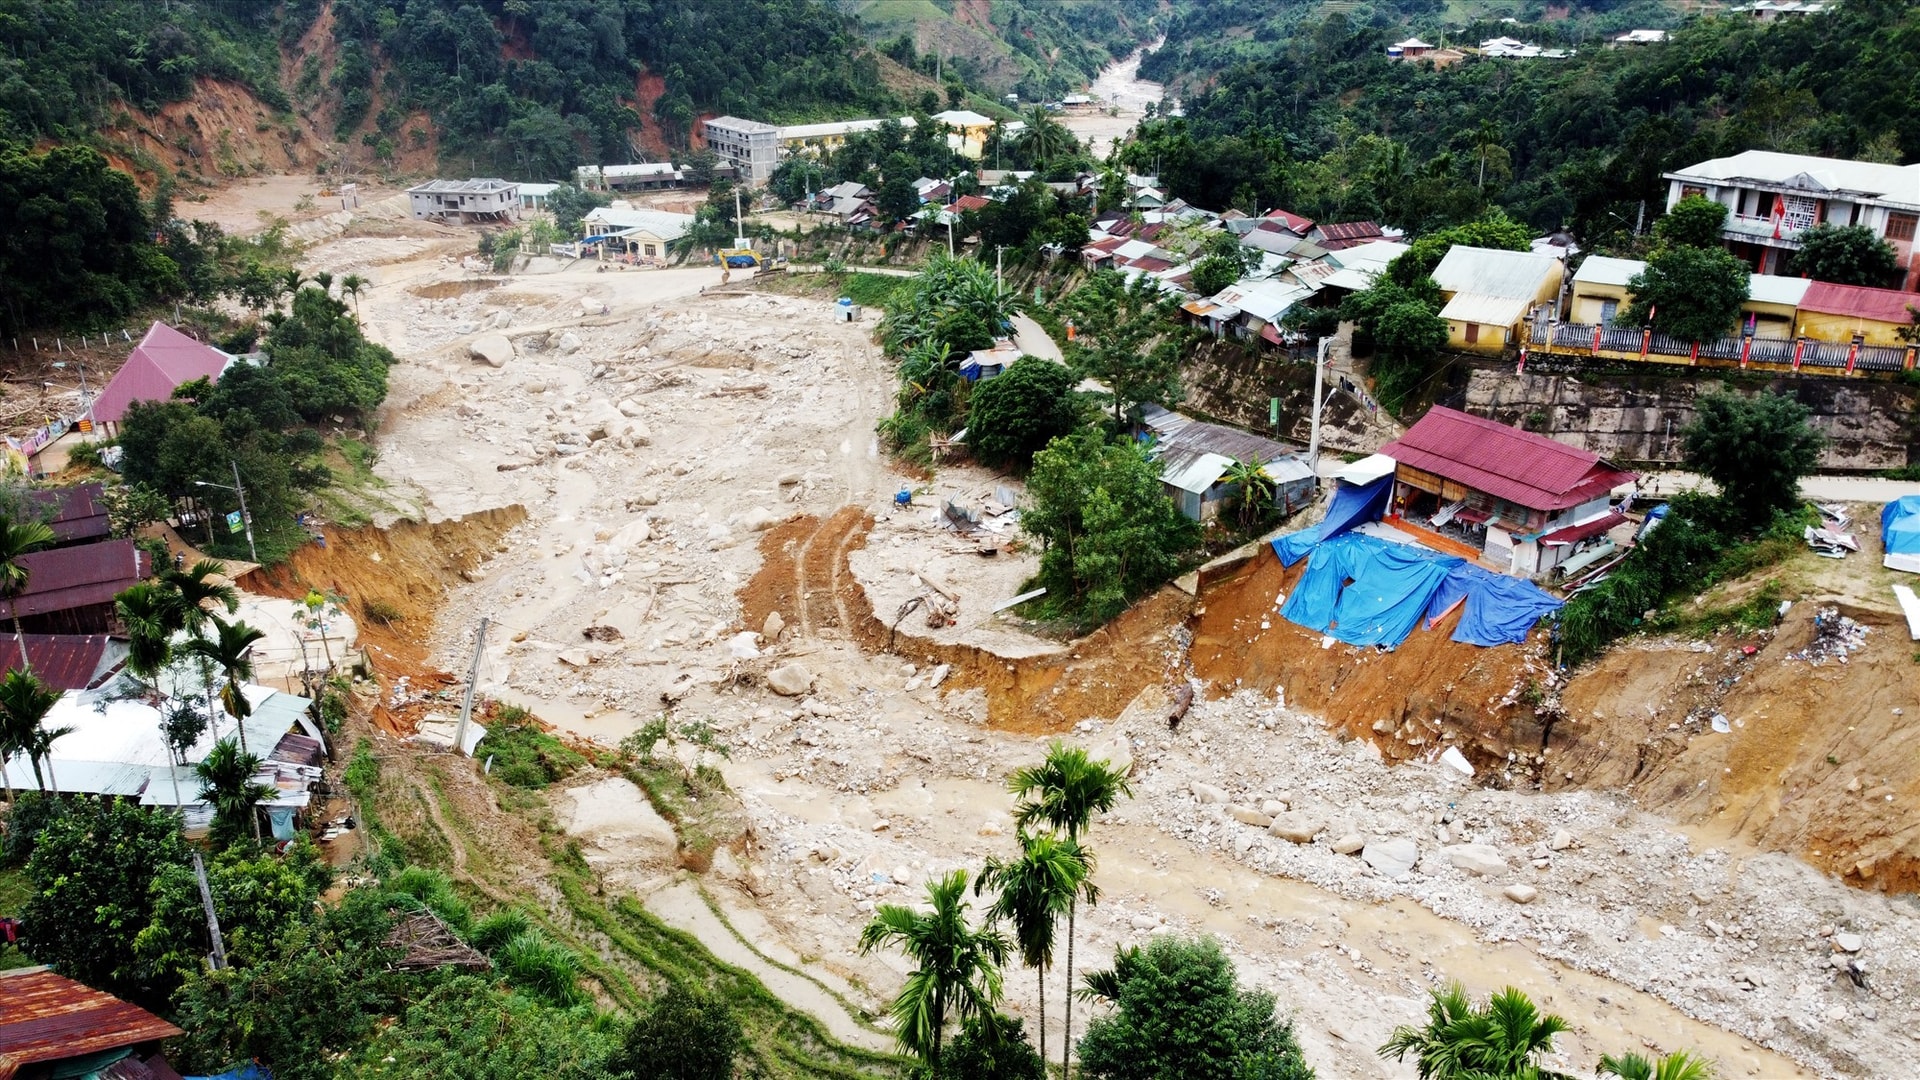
{"points": [[1194, 472], [66, 578], [1490, 272], [1774, 289], [660, 223], [1893, 183], [1290, 221], [1486, 310], [78, 513], [49, 1017], [1854, 301], [1350, 230], [164, 359], [1518, 466], [1367, 469], [62, 661], [1603, 270]]}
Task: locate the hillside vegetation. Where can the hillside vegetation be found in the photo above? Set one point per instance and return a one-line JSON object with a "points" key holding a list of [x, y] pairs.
{"points": [[1036, 48], [1322, 122]]}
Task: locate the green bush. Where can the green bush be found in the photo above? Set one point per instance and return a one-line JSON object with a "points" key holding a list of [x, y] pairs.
{"points": [[548, 972], [685, 1034], [362, 775], [32, 811], [435, 891], [523, 755], [490, 933]]}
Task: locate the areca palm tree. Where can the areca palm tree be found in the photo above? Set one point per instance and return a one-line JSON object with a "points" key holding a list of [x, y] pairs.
{"points": [[1679, 1065], [152, 612], [351, 285], [1064, 792], [1034, 891], [1502, 1040], [226, 781], [25, 702], [230, 650], [959, 966], [18, 538], [200, 589]]}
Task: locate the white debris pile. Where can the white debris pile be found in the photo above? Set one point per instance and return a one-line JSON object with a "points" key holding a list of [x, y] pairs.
{"points": [[1758, 943]]}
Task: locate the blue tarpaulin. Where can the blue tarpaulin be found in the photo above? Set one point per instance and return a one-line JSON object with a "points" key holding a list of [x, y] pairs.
{"points": [[1352, 505], [1367, 591], [1498, 609], [1900, 526], [245, 1072]]}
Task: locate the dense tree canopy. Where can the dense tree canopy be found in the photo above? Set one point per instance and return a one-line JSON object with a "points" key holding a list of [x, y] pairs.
{"points": [[1692, 293], [1846, 255], [1755, 448], [1019, 412], [1180, 1013], [1110, 531], [75, 240]]}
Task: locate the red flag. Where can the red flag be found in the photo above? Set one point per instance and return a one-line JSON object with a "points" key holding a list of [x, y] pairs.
{"points": [[1779, 214]]}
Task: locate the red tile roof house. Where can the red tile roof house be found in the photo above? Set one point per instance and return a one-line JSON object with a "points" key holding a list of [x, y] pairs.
{"points": [[71, 590], [1530, 502], [164, 359], [53, 1026]]}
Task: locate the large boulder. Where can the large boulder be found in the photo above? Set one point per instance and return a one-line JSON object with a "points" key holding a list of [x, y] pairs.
{"points": [[1392, 859], [1482, 859], [494, 350], [790, 680]]}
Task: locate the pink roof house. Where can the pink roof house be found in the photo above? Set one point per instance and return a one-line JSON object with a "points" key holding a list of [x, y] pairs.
{"points": [[164, 359]]}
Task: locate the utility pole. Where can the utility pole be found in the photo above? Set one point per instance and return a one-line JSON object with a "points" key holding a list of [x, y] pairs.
{"points": [[1319, 374], [999, 286], [949, 232], [739, 240], [473, 676], [246, 519], [213, 921]]}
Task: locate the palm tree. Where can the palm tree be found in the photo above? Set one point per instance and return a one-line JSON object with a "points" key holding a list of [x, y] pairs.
{"points": [[323, 279], [1679, 1065], [1503, 1040], [1035, 890], [1255, 487], [1485, 140], [200, 588], [25, 702], [959, 967], [152, 612], [226, 781], [229, 650], [17, 538], [289, 281], [351, 285], [1044, 138], [1064, 792]]}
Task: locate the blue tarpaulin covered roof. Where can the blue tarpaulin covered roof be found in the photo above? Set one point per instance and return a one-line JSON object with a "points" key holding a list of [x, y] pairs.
{"points": [[1499, 610]]}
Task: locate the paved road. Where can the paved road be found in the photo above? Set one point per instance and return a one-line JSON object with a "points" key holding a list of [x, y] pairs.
{"points": [[1856, 489]]}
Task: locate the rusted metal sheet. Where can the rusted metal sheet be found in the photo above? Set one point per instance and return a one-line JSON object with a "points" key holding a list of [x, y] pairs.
{"points": [[48, 1017]]}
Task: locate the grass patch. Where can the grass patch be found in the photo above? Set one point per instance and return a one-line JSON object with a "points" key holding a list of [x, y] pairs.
{"points": [[15, 891], [523, 755], [1757, 612], [872, 290]]}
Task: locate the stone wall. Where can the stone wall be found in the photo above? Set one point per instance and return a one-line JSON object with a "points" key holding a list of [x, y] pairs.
{"points": [[1627, 418], [1232, 384]]}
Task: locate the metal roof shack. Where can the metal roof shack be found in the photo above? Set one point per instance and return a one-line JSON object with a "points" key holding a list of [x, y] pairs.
{"points": [[62, 661], [49, 1018], [1519, 466], [67, 578], [78, 513]]}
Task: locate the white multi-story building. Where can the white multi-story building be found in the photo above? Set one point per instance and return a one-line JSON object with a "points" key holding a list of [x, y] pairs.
{"points": [[751, 147], [464, 200], [1772, 199]]}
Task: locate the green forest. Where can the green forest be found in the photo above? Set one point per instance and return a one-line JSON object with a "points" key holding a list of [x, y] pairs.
{"points": [[1325, 125]]}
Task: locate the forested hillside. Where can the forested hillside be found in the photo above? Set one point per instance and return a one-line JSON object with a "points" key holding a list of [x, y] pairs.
{"points": [[1037, 48], [515, 86], [1327, 126]]}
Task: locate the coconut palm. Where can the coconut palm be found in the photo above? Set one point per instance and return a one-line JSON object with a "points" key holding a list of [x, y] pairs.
{"points": [[25, 702], [230, 650], [1034, 891], [18, 538], [1679, 1065], [200, 589], [226, 781], [351, 285], [1064, 792], [959, 966], [1044, 137], [1255, 487], [1503, 1040]]}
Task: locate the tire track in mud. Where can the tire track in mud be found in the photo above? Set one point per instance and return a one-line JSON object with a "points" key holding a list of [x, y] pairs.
{"points": [[806, 577]]}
